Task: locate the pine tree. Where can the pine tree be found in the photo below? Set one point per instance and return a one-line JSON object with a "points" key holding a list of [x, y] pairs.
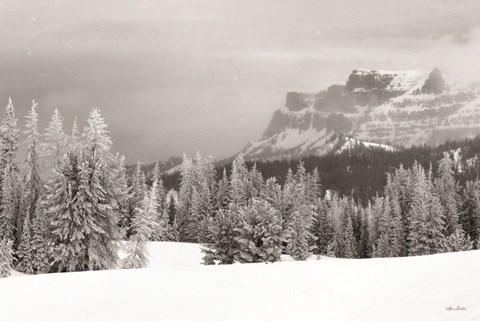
{"points": [[457, 241], [446, 188], [350, 246], [260, 234], [39, 244], [25, 252], [55, 138], [33, 186], [426, 236], [170, 210], [8, 204], [122, 192], [144, 226], [67, 224], [82, 204], [97, 195], [223, 228], [6, 257], [9, 138], [238, 179], [299, 237], [470, 209], [8, 167], [322, 228], [222, 195]]}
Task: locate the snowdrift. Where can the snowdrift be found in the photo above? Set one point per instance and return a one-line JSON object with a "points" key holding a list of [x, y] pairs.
{"points": [[177, 287]]}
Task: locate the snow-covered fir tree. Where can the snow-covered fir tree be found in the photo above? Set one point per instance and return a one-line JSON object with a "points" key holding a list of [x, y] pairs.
{"points": [[8, 204], [446, 188], [6, 257], [55, 139], [39, 242], [299, 236], [144, 225], [224, 231], [32, 184], [260, 233], [427, 225], [8, 171], [25, 252], [81, 204]]}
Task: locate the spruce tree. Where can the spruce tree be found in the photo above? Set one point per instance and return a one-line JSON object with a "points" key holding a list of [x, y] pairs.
{"points": [[55, 138], [33, 186], [39, 243], [8, 205], [446, 189], [299, 237], [6, 257], [260, 233], [322, 228], [25, 252], [426, 235], [223, 228], [8, 167], [350, 247], [144, 226]]}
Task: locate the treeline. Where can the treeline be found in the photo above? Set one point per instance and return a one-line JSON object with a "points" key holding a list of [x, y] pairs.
{"points": [[360, 171]]}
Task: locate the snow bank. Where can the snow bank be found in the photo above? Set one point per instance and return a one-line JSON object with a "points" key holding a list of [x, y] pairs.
{"points": [[176, 287]]}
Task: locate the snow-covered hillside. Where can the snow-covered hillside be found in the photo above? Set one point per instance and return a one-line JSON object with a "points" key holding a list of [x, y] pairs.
{"points": [[177, 287], [400, 108]]}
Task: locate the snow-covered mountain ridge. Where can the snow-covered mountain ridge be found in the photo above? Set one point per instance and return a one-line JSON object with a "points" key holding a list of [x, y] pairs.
{"points": [[401, 108]]}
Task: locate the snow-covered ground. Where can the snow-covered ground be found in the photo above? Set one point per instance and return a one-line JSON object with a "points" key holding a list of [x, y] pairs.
{"points": [[177, 287]]}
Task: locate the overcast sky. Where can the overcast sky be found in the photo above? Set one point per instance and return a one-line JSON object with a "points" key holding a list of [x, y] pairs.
{"points": [[174, 76]]}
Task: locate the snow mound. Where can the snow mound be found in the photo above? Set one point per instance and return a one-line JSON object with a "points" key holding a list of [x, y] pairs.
{"points": [[177, 287]]}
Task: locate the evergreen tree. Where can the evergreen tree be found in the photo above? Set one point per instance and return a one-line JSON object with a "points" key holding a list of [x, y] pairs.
{"points": [[457, 241], [39, 244], [82, 204], [25, 252], [223, 228], [260, 234], [144, 226], [350, 246], [122, 192], [322, 228], [55, 138], [8, 204], [9, 138], [426, 235], [446, 188], [222, 198], [470, 210], [8, 168], [238, 179], [6, 257], [299, 237], [170, 210], [33, 186]]}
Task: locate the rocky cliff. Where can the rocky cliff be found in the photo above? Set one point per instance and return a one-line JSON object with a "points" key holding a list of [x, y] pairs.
{"points": [[395, 108]]}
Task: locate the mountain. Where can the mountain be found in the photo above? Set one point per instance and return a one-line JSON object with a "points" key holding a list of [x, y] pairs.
{"points": [[397, 108]]}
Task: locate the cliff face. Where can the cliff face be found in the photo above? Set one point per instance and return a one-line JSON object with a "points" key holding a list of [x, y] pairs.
{"points": [[397, 108]]}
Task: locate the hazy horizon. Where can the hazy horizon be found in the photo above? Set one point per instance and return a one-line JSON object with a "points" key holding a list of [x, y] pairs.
{"points": [[181, 75]]}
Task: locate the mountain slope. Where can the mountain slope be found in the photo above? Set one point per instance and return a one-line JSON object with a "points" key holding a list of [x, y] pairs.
{"points": [[177, 287], [394, 108]]}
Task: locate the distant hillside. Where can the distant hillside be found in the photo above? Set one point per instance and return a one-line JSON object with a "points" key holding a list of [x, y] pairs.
{"points": [[359, 170]]}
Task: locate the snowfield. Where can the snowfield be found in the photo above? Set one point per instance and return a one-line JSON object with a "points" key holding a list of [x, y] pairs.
{"points": [[177, 287]]}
